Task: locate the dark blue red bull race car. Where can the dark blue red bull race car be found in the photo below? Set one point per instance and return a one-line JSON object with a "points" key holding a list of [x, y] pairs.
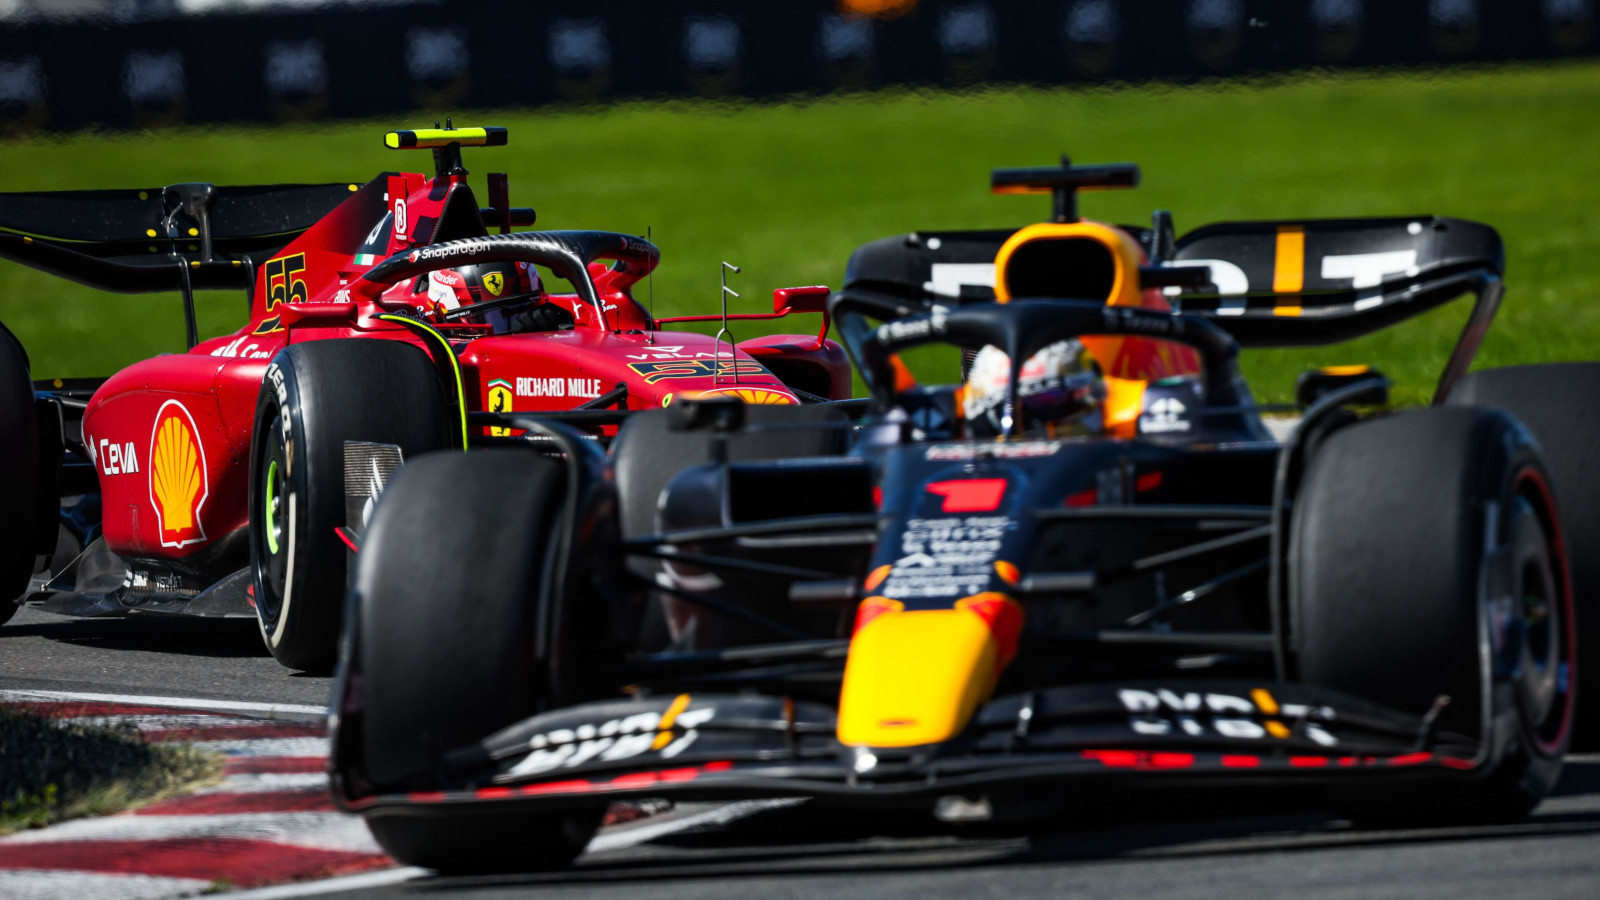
{"points": [[1097, 564]]}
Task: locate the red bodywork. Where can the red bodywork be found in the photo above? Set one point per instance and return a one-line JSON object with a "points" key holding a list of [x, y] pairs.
{"points": [[170, 436]]}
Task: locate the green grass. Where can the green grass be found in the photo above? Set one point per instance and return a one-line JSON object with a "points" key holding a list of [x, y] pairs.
{"points": [[788, 190], [52, 770]]}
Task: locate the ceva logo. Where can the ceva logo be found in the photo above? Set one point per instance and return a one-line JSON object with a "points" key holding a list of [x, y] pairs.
{"points": [[178, 488]]}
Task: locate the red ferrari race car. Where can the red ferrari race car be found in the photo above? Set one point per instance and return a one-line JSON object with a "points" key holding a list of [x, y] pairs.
{"points": [[382, 316]]}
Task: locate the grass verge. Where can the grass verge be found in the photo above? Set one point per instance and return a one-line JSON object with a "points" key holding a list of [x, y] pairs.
{"points": [[51, 770], [787, 190]]}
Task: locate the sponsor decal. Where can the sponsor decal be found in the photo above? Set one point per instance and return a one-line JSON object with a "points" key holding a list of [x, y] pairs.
{"points": [[664, 352], [586, 388], [238, 349], [499, 401], [754, 396], [178, 487], [946, 557], [115, 458], [1024, 450], [437, 253], [969, 494], [1200, 714], [442, 290], [1165, 415], [494, 283], [910, 329], [653, 372], [621, 738]]}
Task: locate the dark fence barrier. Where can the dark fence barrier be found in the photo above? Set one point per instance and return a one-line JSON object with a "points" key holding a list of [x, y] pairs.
{"points": [[507, 53]]}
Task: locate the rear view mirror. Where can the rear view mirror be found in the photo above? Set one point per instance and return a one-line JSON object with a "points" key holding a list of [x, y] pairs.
{"points": [[809, 299]]}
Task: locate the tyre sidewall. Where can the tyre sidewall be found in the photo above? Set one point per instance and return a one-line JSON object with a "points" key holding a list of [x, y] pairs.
{"points": [[313, 567], [19, 473]]}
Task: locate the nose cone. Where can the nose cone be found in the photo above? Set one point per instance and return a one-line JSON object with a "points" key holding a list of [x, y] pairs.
{"points": [[916, 677]]}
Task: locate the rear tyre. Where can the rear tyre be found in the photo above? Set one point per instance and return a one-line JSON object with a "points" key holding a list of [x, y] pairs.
{"points": [[449, 587], [315, 397], [1391, 600], [1560, 404], [19, 474]]}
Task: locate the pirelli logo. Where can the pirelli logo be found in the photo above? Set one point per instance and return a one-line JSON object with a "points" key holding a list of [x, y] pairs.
{"points": [[653, 372]]}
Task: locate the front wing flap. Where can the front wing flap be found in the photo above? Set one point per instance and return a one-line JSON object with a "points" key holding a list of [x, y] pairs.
{"points": [[720, 746]]}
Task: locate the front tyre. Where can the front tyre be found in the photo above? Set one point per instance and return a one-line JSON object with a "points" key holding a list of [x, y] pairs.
{"points": [[451, 577], [1426, 560], [314, 398]]}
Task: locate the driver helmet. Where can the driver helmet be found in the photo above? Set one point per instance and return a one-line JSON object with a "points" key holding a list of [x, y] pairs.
{"points": [[1059, 387], [451, 290]]}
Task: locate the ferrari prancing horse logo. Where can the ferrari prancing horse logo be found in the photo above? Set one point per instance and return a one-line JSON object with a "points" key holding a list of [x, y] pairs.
{"points": [[500, 400], [494, 283], [177, 476]]}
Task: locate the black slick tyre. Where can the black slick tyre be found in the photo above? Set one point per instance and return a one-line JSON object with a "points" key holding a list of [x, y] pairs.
{"points": [[19, 474], [316, 396], [1411, 535], [1560, 404], [449, 586]]}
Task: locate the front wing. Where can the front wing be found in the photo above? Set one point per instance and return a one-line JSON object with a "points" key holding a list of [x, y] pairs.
{"points": [[711, 746]]}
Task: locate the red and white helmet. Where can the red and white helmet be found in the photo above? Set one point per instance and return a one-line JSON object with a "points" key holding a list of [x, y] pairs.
{"points": [[443, 294]]}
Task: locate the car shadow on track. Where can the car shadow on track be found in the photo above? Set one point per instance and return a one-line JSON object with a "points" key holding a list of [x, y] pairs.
{"points": [[184, 636], [1149, 824]]}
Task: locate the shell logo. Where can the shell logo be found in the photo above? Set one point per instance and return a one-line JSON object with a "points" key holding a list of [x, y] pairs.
{"points": [[178, 486], [754, 396]]}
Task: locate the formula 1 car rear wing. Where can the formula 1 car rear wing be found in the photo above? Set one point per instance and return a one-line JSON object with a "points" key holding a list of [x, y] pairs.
{"points": [[196, 236], [1272, 284]]}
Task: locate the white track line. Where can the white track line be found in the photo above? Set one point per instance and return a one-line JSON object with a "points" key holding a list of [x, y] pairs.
{"points": [[267, 781], [331, 885], [54, 884], [312, 746], [322, 830], [15, 696]]}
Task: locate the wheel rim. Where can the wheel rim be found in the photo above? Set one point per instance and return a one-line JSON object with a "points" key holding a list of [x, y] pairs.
{"points": [[272, 538], [1537, 650], [274, 525]]}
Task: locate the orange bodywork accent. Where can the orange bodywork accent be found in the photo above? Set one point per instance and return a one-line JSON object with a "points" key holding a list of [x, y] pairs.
{"points": [[876, 576], [1007, 571], [1128, 362], [903, 379]]}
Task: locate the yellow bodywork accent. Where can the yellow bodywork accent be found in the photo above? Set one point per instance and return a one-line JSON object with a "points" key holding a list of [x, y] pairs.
{"points": [[916, 678], [664, 728], [1264, 701], [429, 138], [1341, 371], [1289, 265]]}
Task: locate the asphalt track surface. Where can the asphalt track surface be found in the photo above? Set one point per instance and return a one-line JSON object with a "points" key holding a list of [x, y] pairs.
{"points": [[1149, 844]]}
